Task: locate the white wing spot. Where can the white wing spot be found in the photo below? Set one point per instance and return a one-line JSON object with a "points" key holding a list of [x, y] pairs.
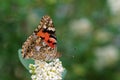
{"points": [[39, 26], [37, 48], [50, 21], [44, 44], [44, 27]]}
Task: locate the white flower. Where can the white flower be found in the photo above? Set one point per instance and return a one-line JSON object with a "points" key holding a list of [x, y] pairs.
{"points": [[42, 70], [106, 56], [114, 6]]}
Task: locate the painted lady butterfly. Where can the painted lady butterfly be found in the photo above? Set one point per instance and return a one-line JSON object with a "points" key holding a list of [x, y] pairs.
{"points": [[41, 45]]}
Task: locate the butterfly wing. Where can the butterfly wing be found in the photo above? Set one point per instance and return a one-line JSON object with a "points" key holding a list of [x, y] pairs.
{"points": [[41, 45]]}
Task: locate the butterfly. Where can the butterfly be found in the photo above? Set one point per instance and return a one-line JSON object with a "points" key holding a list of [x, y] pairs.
{"points": [[42, 44]]}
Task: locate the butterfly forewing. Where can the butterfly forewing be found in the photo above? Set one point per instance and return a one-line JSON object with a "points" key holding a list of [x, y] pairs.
{"points": [[41, 45]]}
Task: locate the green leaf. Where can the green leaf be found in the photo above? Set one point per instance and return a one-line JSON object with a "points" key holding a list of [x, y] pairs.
{"points": [[64, 74], [25, 62]]}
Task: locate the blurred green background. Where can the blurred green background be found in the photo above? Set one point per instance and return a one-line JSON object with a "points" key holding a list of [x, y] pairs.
{"points": [[88, 33]]}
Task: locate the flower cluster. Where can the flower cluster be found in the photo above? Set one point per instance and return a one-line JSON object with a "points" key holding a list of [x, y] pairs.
{"points": [[106, 56], [114, 6], [82, 26], [43, 70]]}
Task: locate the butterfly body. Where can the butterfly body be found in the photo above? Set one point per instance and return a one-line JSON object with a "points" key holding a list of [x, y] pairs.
{"points": [[42, 44]]}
